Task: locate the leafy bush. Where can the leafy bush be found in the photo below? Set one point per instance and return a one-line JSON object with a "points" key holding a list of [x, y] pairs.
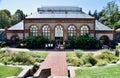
{"points": [[112, 44], [106, 55], [117, 53], [75, 61], [35, 68], [35, 42], [78, 53], [67, 46], [89, 59], [101, 62], [86, 42], [24, 58], [114, 61], [118, 47], [70, 44], [88, 65]]}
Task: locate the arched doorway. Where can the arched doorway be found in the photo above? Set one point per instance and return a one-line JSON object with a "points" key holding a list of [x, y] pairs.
{"points": [[59, 35], [104, 40]]}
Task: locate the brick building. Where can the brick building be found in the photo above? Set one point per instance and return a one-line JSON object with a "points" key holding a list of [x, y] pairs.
{"points": [[59, 23]]}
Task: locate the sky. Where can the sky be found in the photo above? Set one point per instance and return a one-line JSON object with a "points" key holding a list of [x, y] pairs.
{"points": [[30, 6]]}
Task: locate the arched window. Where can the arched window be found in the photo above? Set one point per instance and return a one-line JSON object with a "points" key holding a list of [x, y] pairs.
{"points": [[33, 31], [46, 31], [71, 31], [84, 30], [58, 31]]}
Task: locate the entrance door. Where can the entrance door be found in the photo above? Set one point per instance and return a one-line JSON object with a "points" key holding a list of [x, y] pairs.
{"points": [[59, 40], [59, 35]]}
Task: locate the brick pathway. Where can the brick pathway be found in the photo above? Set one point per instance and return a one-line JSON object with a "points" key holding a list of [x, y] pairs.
{"points": [[57, 62]]}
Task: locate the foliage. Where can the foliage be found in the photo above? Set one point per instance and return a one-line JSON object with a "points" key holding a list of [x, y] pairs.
{"points": [[75, 61], [101, 62], [118, 47], [20, 15], [70, 54], [7, 71], [86, 42], [22, 58], [35, 42], [87, 65], [110, 15], [70, 44], [35, 68], [7, 20], [4, 20], [79, 58], [117, 53], [112, 44], [107, 56], [78, 53], [89, 59], [99, 72]]}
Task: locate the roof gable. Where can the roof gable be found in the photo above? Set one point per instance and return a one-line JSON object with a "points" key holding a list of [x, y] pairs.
{"points": [[18, 26]]}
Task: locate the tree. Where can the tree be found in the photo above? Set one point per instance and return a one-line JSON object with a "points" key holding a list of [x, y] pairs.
{"points": [[14, 20], [110, 15], [4, 20], [20, 15], [95, 14], [89, 13], [17, 17], [7, 12]]}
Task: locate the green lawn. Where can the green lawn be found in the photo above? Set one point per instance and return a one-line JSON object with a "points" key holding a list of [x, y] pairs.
{"points": [[99, 72], [6, 71]]}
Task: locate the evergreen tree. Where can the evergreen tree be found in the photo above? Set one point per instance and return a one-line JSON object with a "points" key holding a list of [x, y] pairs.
{"points": [[89, 13], [20, 15]]}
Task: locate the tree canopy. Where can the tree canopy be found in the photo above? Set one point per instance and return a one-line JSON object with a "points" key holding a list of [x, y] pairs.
{"points": [[110, 15], [7, 20]]}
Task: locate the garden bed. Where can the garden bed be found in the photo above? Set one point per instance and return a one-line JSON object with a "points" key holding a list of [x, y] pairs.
{"points": [[21, 58], [89, 59]]}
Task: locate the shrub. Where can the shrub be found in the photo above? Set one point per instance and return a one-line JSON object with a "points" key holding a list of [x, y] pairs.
{"points": [[39, 60], [86, 42], [78, 53], [75, 61], [118, 47], [70, 44], [106, 55], [88, 65], [101, 62], [67, 46], [35, 42], [117, 53], [24, 58], [89, 59], [35, 68], [114, 61], [112, 44]]}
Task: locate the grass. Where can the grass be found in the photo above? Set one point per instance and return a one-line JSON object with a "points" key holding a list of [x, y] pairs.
{"points": [[99, 72], [6, 71], [70, 54]]}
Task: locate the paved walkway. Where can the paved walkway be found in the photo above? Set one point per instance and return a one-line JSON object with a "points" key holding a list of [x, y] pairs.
{"points": [[56, 61]]}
